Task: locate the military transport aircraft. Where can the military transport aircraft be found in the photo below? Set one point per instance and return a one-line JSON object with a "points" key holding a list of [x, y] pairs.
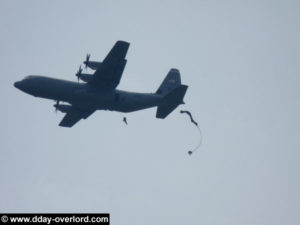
{"points": [[98, 92]]}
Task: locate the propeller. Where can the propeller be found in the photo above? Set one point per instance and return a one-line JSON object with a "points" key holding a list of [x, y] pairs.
{"points": [[57, 104], [78, 73], [87, 59]]}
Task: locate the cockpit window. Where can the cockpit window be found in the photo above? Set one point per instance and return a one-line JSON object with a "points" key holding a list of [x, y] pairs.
{"points": [[28, 77]]}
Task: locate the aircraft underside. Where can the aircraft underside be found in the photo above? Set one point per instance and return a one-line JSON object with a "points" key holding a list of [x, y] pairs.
{"points": [[98, 92]]}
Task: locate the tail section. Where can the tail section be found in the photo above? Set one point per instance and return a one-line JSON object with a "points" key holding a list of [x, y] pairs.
{"points": [[171, 81], [173, 92], [175, 97], [171, 101]]}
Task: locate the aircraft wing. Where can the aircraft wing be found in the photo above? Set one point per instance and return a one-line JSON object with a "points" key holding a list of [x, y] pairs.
{"points": [[109, 74], [74, 115]]}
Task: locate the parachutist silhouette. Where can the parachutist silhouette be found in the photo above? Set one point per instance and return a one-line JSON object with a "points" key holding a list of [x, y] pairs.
{"points": [[190, 115], [200, 133], [125, 120]]}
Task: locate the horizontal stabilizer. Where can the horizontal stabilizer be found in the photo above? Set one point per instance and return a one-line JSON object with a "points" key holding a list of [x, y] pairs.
{"points": [[164, 110], [176, 95], [171, 101]]}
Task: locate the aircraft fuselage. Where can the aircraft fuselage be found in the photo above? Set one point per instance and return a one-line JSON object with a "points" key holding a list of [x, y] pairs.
{"points": [[86, 96]]}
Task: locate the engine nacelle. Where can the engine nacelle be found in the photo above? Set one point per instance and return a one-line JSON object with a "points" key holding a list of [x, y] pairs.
{"points": [[63, 108], [93, 64], [85, 77]]}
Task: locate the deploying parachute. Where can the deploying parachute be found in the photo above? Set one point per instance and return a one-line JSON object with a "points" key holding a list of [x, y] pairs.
{"points": [[200, 134]]}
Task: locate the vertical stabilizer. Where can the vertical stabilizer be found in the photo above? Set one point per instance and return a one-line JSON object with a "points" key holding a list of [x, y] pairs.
{"points": [[171, 81]]}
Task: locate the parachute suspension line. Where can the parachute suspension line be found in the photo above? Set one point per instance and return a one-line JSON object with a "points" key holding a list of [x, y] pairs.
{"points": [[198, 128], [199, 142]]}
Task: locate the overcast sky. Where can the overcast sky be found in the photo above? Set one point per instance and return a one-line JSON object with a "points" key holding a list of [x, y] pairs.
{"points": [[240, 60]]}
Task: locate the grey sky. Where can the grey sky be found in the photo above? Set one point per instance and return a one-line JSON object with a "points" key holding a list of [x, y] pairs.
{"points": [[241, 62]]}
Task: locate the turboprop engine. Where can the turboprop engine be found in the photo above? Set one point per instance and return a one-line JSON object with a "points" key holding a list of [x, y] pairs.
{"points": [[91, 64], [83, 76]]}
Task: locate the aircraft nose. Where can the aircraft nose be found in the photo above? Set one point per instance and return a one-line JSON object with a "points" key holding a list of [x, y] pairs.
{"points": [[17, 84]]}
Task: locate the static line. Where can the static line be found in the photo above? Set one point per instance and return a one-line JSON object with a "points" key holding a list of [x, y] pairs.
{"points": [[199, 142]]}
